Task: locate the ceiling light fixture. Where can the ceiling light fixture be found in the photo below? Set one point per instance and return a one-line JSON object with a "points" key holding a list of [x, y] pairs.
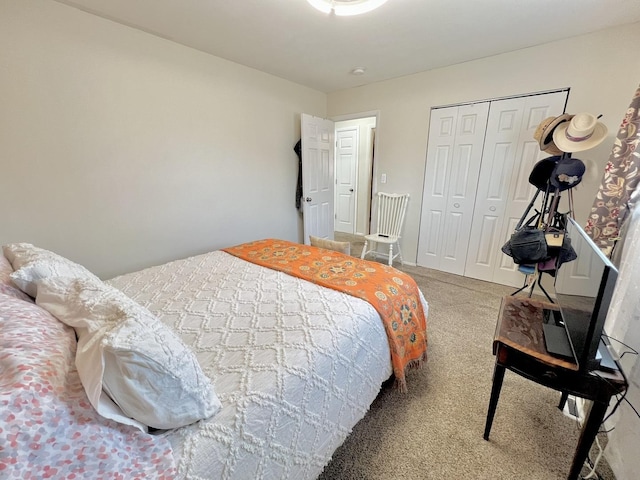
{"points": [[346, 7], [358, 71]]}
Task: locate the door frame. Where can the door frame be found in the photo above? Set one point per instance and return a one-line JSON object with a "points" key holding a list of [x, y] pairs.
{"points": [[373, 185], [506, 97]]}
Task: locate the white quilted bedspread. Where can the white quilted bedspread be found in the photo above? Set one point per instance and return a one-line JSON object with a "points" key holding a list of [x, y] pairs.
{"points": [[295, 365]]}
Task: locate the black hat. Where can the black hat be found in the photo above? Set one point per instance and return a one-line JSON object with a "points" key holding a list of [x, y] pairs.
{"points": [[541, 172], [567, 173]]}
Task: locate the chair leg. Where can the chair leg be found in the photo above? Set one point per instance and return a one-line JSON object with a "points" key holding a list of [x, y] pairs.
{"points": [[364, 250], [390, 254], [400, 253]]}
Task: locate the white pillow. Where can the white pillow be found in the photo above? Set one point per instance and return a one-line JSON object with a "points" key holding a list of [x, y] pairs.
{"points": [[126, 354], [32, 264]]}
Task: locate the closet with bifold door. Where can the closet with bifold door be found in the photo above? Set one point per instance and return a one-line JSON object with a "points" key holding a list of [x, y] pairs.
{"points": [[479, 157]]}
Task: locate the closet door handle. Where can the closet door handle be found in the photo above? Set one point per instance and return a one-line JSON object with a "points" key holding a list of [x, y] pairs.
{"points": [[457, 205], [493, 209]]}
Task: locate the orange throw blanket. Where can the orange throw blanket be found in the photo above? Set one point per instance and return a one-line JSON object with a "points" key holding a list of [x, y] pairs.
{"points": [[392, 293]]}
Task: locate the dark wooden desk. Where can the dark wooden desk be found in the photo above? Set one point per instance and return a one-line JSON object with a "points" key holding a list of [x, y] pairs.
{"points": [[519, 346]]}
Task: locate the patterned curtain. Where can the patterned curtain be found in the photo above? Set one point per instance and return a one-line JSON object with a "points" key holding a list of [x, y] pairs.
{"points": [[618, 190]]}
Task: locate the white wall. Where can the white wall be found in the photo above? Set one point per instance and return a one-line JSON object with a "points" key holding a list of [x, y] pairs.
{"points": [[599, 68], [120, 150]]}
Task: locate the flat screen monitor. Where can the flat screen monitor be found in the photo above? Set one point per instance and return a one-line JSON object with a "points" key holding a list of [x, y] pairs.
{"points": [[584, 288]]}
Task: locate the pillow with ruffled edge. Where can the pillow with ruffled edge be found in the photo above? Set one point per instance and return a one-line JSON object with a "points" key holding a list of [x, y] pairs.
{"points": [[128, 358], [32, 263], [6, 285]]}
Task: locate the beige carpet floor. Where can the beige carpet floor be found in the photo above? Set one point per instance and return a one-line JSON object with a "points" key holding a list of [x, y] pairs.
{"points": [[435, 430]]}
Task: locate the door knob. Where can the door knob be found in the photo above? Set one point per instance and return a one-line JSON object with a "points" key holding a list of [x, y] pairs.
{"points": [[457, 205], [308, 199], [351, 189], [493, 209]]}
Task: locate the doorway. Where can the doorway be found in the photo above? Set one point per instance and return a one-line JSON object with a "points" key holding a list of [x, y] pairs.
{"points": [[354, 165]]}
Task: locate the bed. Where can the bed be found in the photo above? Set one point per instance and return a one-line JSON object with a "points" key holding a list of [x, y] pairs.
{"points": [[294, 365]]}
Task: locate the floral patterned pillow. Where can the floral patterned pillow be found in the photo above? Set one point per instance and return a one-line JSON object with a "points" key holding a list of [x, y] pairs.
{"points": [[48, 428]]}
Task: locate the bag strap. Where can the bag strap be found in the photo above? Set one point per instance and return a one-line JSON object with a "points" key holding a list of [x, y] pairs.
{"points": [[571, 212], [532, 219], [557, 223], [555, 202], [527, 210]]}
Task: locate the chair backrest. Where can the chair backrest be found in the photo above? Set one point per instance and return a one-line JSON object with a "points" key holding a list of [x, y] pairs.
{"points": [[391, 210]]}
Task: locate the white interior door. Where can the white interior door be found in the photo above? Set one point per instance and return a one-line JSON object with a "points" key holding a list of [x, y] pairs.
{"points": [[504, 190], [317, 176], [454, 155], [347, 141]]}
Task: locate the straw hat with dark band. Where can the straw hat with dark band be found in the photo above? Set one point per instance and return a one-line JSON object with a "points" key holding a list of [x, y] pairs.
{"points": [[544, 133], [584, 131]]}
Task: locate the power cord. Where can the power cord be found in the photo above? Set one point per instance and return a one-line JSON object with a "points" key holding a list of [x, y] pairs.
{"points": [[589, 464], [594, 464], [632, 407], [630, 349]]}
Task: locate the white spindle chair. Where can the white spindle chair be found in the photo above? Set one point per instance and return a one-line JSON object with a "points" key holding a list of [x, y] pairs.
{"points": [[391, 211]]}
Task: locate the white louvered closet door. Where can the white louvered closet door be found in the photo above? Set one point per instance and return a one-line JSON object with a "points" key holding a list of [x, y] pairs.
{"points": [[456, 136]]}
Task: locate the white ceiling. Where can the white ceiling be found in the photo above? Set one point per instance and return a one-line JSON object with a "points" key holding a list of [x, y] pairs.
{"points": [[292, 40]]}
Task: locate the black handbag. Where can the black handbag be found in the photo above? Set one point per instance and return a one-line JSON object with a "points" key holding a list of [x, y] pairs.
{"points": [[527, 246]]}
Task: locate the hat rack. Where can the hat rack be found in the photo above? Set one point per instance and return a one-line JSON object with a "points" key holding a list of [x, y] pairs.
{"points": [[558, 136], [548, 211]]}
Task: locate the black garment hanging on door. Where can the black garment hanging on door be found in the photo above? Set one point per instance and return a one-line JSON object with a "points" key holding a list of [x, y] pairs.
{"points": [[298, 149]]}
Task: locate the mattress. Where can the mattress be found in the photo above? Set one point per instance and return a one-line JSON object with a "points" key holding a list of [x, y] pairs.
{"points": [[295, 365]]}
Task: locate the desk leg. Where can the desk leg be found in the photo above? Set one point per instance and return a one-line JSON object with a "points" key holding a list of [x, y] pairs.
{"points": [[587, 436], [498, 377], [563, 400]]}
